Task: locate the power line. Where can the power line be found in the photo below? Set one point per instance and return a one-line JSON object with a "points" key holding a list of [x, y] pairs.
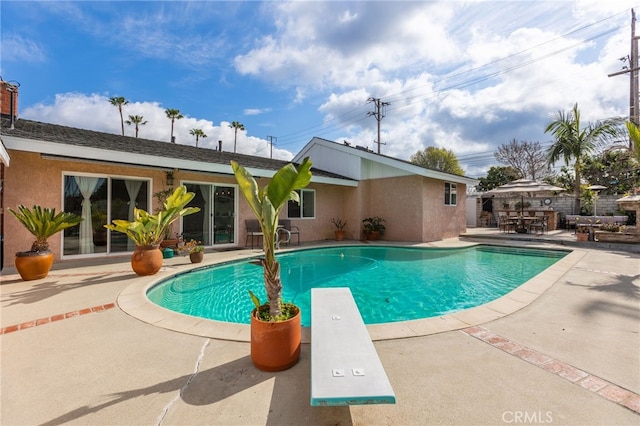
{"points": [[354, 116]]}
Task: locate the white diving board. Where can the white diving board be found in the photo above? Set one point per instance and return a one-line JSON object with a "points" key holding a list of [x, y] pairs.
{"points": [[345, 368]]}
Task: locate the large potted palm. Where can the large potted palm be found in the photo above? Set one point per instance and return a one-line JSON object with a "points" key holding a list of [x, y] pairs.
{"points": [[42, 223], [275, 325], [147, 230]]}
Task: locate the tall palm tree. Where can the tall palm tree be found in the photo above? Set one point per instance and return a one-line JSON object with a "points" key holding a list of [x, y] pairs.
{"points": [[137, 120], [198, 133], [574, 142], [173, 115], [236, 125], [119, 101]]}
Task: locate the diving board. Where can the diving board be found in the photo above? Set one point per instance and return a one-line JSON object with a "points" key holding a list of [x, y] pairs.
{"points": [[345, 367]]}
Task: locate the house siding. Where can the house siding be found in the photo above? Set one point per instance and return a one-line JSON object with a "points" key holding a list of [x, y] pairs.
{"points": [[32, 180], [413, 207]]}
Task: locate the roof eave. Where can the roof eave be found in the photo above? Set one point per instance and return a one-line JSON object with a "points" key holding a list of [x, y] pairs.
{"points": [[120, 157], [388, 161], [4, 155]]}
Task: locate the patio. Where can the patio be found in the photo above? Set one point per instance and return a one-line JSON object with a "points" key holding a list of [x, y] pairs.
{"points": [[568, 357]]}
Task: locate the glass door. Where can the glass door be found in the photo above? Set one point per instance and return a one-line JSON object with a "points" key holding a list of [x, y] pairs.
{"points": [[214, 224], [224, 214], [99, 200]]}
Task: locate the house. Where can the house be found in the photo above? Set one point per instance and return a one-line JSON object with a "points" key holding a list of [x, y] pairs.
{"points": [[103, 176], [418, 204]]}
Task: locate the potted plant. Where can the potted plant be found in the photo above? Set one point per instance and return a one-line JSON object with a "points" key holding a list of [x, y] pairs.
{"points": [[584, 229], [275, 325], [339, 224], [147, 230], [373, 227], [42, 223], [195, 250], [161, 197]]}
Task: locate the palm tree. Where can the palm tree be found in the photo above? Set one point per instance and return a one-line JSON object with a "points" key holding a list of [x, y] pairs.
{"points": [[634, 137], [137, 120], [173, 115], [119, 101], [574, 142], [198, 133], [236, 125]]}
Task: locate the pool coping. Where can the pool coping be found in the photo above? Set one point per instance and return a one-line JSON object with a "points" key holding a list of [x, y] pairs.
{"points": [[134, 302]]}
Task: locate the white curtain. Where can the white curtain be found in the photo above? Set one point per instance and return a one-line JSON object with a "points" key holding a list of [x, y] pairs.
{"points": [[86, 185], [133, 188]]}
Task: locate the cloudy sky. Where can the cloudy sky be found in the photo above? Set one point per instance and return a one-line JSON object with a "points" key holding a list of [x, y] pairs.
{"points": [[466, 76]]}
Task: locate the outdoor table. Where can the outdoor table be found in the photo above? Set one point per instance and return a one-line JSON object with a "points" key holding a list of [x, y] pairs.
{"points": [[522, 223]]}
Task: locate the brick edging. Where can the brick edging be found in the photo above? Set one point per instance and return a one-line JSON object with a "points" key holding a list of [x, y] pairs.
{"points": [[58, 317], [597, 385]]}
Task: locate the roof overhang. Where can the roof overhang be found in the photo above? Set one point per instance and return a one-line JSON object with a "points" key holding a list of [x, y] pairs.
{"points": [[387, 161], [74, 152], [4, 155]]}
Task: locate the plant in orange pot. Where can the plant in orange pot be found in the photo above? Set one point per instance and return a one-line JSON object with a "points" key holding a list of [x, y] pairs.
{"points": [[148, 230], [373, 227], [42, 223], [275, 326], [339, 224]]}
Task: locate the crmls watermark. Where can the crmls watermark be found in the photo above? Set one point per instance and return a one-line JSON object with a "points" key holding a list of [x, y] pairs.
{"points": [[527, 417]]}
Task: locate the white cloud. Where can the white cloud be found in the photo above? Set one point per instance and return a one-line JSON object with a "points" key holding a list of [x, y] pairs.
{"points": [[467, 76], [16, 48], [256, 111], [95, 112]]}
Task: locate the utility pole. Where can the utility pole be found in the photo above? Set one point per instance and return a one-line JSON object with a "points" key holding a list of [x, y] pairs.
{"points": [[632, 70], [378, 114], [271, 138]]}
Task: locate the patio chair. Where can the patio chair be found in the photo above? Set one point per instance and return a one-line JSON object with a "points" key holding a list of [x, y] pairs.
{"points": [[540, 224], [505, 223], [253, 231], [293, 230]]}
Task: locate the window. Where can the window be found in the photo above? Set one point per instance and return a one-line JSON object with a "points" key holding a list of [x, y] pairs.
{"points": [[307, 206], [450, 194]]}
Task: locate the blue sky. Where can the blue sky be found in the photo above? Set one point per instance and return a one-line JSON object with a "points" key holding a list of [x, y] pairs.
{"points": [[466, 76]]}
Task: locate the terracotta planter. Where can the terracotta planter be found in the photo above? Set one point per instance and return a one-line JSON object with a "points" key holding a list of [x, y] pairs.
{"points": [[372, 235], [582, 236], [146, 260], [196, 257], [168, 243], [275, 346], [339, 235], [33, 265]]}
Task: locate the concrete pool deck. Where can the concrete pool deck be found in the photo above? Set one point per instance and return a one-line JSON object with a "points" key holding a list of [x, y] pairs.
{"points": [[570, 355]]}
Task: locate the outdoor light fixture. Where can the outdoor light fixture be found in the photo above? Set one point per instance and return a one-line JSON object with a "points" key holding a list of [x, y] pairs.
{"points": [[596, 189], [169, 175]]}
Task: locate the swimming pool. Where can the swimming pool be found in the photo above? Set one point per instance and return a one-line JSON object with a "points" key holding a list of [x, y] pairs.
{"points": [[389, 284]]}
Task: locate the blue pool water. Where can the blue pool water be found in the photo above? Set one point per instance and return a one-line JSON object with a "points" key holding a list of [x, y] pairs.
{"points": [[388, 283]]}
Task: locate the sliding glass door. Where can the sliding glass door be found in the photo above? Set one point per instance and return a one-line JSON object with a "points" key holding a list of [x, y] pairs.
{"points": [[99, 200], [215, 223]]}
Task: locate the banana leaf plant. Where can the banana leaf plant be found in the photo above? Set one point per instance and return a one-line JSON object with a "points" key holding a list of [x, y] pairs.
{"points": [[43, 223], [148, 230], [266, 204]]}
